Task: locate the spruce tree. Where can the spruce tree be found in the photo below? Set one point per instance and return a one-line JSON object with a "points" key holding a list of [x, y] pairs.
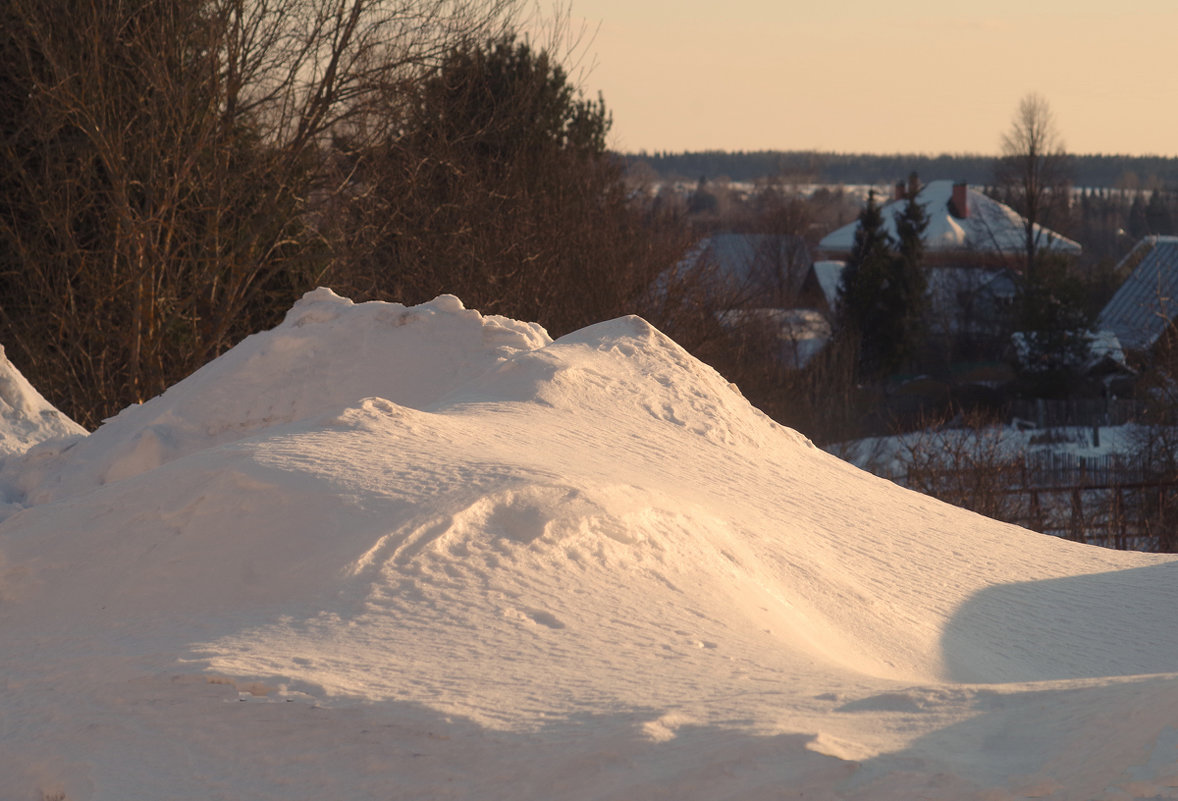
{"points": [[1138, 222], [861, 314], [1157, 215], [882, 297], [906, 295]]}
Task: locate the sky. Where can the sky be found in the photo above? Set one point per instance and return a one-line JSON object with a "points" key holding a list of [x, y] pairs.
{"points": [[907, 76]]}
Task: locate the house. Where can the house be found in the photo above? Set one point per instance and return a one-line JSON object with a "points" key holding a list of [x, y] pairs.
{"points": [[764, 270], [966, 229], [762, 285], [974, 303], [974, 251], [1144, 306]]}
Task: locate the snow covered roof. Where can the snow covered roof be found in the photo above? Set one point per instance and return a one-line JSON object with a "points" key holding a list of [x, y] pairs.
{"points": [[1145, 304], [988, 227], [1105, 349], [418, 552]]}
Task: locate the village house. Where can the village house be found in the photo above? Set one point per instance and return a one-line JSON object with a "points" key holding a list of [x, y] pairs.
{"points": [[1144, 307], [974, 251], [763, 281]]}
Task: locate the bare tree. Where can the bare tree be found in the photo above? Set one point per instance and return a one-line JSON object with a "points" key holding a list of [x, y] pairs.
{"points": [[161, 170], [1034, 168]]}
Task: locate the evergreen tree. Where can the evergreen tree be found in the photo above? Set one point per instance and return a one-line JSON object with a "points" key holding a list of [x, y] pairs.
{"points": [[1054, 329], [861, 313], [1157, 215], [1138, 223], [906, 295], [496, 185], [882, 297]]}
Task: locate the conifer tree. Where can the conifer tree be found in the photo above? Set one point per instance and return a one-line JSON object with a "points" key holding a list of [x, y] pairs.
{"points": [[1157, 215], [1138, 222], [907, 293], [863, 281], [496, 185], [882, 297]]}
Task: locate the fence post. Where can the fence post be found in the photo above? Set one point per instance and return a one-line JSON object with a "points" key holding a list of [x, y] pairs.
{"points": [[1119, 518], [1166, 539], [1036, 511], [1077, 523]]}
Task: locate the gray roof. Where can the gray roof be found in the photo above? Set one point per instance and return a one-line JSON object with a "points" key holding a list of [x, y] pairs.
{"points": [[1142, 309], [752, 265]]}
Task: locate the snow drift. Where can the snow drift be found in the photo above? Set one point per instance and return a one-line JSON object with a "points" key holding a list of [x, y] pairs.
{"points": [[26, 418], [420, 552]]}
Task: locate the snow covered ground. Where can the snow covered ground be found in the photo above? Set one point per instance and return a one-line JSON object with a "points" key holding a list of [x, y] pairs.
{"points": [[389, 552]]}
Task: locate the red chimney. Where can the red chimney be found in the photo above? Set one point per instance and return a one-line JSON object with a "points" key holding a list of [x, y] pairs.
{"points": [[960, 205]]}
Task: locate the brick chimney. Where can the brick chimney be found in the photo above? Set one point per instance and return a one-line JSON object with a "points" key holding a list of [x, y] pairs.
{"points": [[959, 206]]}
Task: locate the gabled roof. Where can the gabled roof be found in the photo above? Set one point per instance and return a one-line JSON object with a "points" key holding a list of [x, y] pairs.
{"points": [[758, 263], [988, 227], [1143, 307]]}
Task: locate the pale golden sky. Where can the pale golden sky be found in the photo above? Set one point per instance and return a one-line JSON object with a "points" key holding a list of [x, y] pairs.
{"points": [[913, 76]]}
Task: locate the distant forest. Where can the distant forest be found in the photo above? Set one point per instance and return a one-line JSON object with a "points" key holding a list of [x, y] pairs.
{"points": [[1112, 172]]}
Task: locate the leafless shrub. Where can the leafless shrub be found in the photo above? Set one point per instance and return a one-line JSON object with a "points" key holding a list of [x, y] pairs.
{"points": [[970, 465]]}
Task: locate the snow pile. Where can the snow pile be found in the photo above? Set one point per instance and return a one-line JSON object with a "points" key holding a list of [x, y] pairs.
{"points": [[26, 418], [422, 553]]}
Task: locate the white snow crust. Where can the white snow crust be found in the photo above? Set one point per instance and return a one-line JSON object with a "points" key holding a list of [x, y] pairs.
{"points": [[390, 552]]}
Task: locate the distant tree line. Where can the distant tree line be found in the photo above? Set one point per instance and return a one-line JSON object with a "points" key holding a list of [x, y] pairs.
{"points": [[1096, 171]]}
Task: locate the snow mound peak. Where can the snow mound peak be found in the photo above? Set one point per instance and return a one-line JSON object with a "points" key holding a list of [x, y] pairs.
{"points": [[26, 418], [328, 353]]}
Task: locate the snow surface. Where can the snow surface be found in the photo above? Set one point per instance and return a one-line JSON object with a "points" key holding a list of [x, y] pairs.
{"points": [[390, 552]]}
